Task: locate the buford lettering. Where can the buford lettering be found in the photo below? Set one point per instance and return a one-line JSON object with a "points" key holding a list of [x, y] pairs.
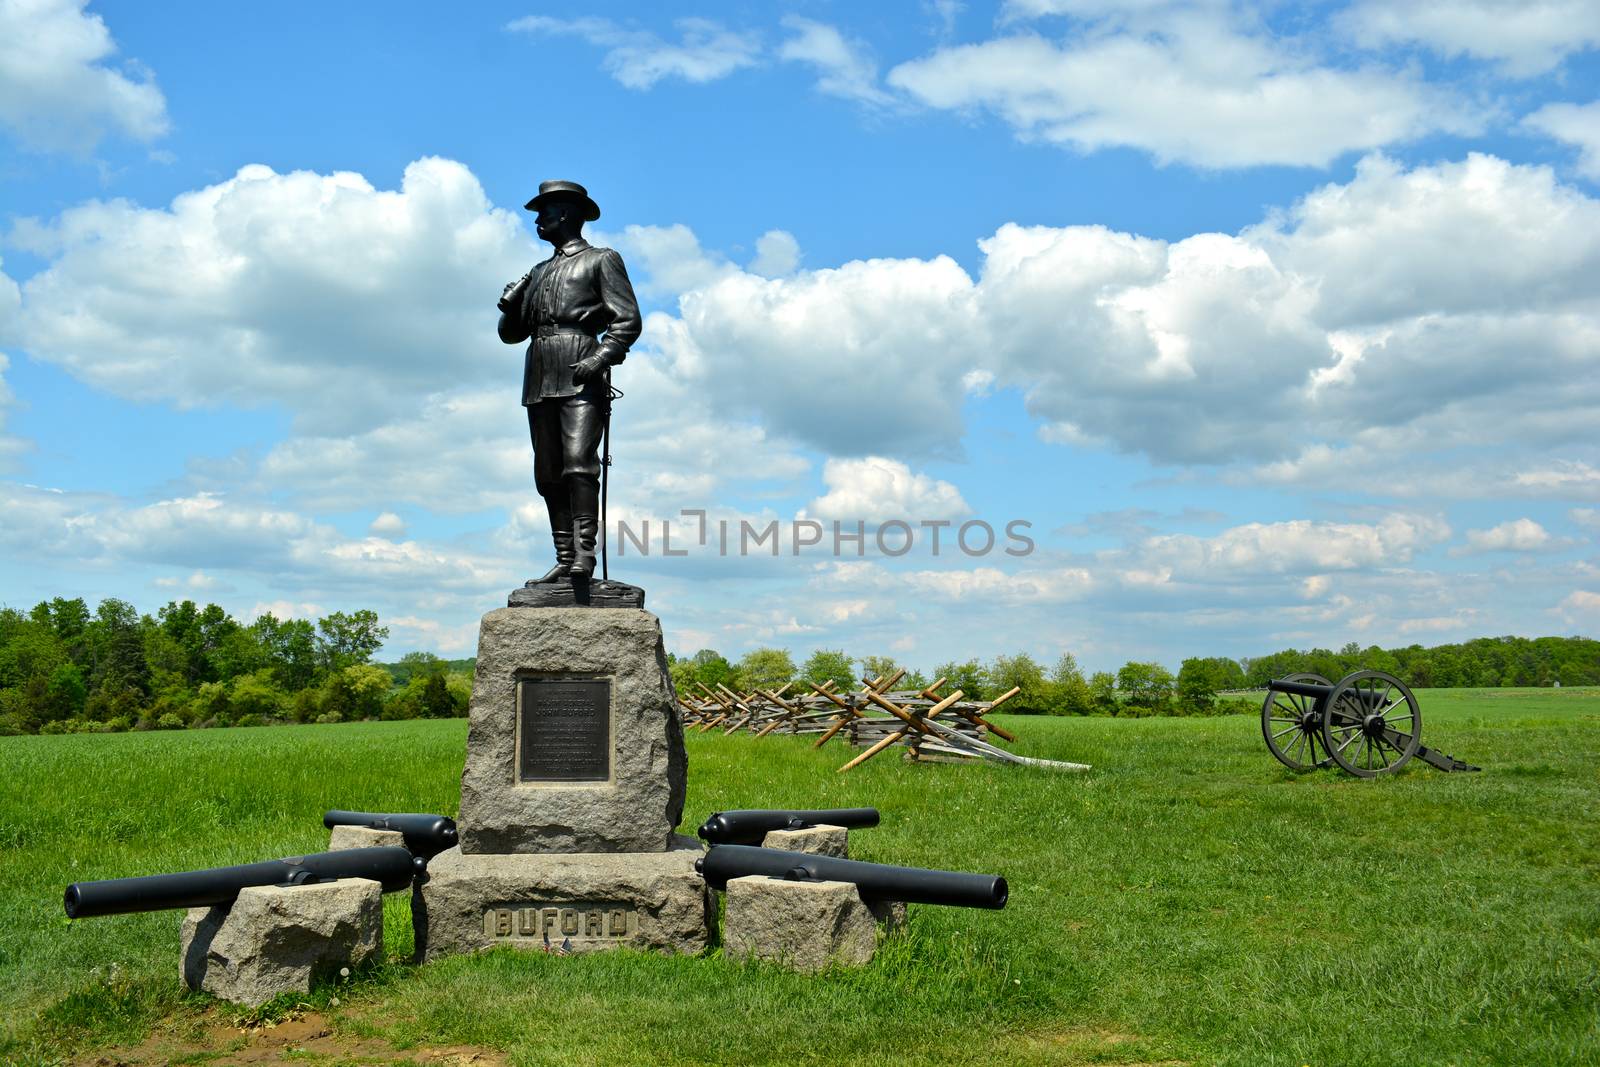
{"points": [[540, 920]]}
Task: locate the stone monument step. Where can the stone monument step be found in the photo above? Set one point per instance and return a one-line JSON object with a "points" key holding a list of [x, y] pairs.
{"points": [[564, 902]]}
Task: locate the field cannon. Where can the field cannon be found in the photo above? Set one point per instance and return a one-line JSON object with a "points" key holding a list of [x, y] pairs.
{"points": [[874, 881], [395, 868], [749, 827], [425, 835], [1369, 724]]}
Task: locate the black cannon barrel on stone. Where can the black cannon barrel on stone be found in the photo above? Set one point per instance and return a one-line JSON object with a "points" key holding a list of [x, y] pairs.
{"points": [[393, 867], [748, 827], [874, 881], [426, 835]]}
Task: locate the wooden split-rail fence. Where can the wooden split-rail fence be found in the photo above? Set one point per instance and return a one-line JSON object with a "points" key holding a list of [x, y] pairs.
{"points": [[929, 725]]}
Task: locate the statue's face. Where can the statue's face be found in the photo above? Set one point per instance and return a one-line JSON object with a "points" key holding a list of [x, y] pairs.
{"points": [[552, 219]]}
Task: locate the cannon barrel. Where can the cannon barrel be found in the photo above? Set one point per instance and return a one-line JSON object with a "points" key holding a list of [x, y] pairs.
{"points": [[394, 867], [749, 826], [874, 881], [1322, 692], [426, 835]]}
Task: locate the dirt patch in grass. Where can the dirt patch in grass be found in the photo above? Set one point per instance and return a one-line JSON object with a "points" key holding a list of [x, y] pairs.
{"points": [[304, 1038]]}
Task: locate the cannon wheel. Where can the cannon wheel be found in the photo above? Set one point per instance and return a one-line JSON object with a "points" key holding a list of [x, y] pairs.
{"points": [[1292, 727], [1372, 725]]}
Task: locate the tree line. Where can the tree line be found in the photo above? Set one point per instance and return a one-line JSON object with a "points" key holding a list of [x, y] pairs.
{"points": [[1142, 688], [65, 668]]}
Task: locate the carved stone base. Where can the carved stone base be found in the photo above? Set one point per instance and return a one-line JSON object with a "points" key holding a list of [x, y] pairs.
{"points": [[576, 593], [575, 902]]}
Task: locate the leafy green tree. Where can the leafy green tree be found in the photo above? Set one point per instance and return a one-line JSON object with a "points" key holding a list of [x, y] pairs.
{"points": [[1103, 694], [969, 677], [65, 693], [417, 665], [460, 685], [211, 704], [1022, 672], [291, 648], [766, 668], [69, 621], [710, 669], [1070, 691], [117, 635], [437, 702], [237, 651], [258, 694], [346, 640], [880, 667], [829, 665], [1146, 686], [1197, 687], [355, 692], [201, 634], [682, 671]]}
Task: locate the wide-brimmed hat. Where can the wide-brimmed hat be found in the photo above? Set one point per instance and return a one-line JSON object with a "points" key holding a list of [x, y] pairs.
{"points": [[564, 191]]}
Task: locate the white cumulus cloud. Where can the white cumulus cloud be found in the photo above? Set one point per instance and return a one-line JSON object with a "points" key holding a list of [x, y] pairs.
{"points": [[1581, 607], [318, 292], [1516, 535], [1574, 124], [1299, 546], [389, 525], [56, 91], [1523, 37], [1401, 314], [874, 489], [1191, 88]]}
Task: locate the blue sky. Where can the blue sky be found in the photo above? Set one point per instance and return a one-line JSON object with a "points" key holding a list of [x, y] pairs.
{"points": [[1278, 324]]}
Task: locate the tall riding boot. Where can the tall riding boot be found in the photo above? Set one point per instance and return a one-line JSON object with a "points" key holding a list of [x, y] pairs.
{"points": [[585, 497], [559, 505]]}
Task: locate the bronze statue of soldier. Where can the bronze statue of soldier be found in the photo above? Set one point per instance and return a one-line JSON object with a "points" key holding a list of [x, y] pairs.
{"points": [[579, 314]]}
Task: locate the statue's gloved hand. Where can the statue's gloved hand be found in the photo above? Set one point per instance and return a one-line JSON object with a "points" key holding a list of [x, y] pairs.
{"points": [[590, 369]]}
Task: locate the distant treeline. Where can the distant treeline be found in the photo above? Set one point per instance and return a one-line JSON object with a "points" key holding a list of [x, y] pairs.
{"points": [[66, 669], [1151, 689]]}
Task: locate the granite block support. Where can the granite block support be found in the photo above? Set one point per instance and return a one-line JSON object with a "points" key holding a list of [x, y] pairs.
{"points": [[364, 837], [279, 939], [574, 743], [817, 840], [807, 926]]}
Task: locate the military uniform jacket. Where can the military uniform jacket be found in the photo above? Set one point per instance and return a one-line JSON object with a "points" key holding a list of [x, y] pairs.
{"points": [[567, 303]]}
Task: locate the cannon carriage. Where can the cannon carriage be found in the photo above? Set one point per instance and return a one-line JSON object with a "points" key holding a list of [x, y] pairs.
{"points": [[1368, 724]]}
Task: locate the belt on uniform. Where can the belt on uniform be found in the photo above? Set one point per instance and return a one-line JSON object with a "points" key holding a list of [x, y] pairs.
{"points": [[552, 331]]}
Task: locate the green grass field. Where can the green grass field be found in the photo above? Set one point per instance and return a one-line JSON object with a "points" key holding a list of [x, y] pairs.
{"points": [[1189, 901]]}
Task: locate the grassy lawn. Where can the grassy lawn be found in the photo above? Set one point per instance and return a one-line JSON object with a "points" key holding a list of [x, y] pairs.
{"points": [[1189, 901]]}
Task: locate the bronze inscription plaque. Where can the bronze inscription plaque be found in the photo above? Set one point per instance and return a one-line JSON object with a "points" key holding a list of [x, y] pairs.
{"points": [[565, 728]]}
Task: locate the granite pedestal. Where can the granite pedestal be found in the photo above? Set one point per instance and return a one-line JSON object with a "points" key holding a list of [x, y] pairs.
{"points": [[574, 781]]}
